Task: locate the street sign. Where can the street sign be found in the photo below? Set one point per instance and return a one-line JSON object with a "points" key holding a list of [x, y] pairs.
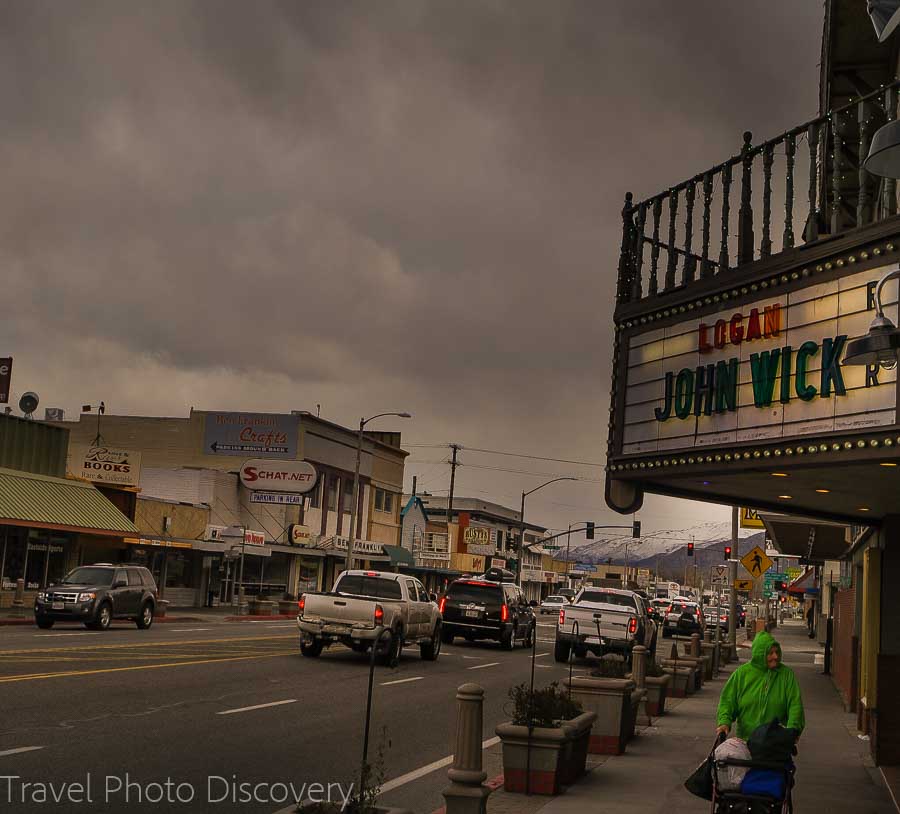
{"points": [[743, 584], [750, 519], [756, 562], [767, 594], [719, 574]]}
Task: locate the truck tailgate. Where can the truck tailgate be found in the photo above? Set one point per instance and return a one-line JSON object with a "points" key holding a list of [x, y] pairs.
{"points": [[340, 610], [613, 621]]}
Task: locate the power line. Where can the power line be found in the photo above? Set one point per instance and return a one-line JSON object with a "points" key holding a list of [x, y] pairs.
{"points": [[510, 454], [526, 472]]}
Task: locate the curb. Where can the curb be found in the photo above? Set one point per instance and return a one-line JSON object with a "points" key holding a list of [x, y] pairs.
{"points": [[15, 621], [493, 784], [278, 617]]}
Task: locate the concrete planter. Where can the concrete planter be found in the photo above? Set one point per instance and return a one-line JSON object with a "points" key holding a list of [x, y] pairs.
{"points": [[657, 690], [611, 700], [286, 607], [558, 755], [259, 607], [681, 680]]}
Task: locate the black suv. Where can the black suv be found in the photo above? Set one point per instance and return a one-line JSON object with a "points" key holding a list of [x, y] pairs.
{"points": [[97, 594], [482, 609]]}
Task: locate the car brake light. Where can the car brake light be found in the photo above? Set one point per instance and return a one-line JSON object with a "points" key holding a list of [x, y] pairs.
{"points": [[442, 604], [670, 609], [504, 613], [632, 625], [379, 614], [371, 573], [301, 605], [562, 616]]}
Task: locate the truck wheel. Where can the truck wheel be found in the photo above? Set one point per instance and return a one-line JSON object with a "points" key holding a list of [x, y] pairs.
{"points": [[431, 650], [529, 636], [391, 655], [311, 650], [102, 619], [146, 617], [508, 640], [580, 652], [42, 623], [561, 652]]}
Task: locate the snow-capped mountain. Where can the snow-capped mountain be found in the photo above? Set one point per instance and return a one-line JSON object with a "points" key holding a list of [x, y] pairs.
{"points": [[654, 544]]}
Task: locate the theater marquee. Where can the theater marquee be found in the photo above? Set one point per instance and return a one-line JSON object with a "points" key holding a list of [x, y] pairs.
{"points": [[763, 370]]}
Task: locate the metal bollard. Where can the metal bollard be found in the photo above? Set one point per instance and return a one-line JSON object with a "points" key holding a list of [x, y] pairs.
{"points": [[695, 645], [466, 793]]}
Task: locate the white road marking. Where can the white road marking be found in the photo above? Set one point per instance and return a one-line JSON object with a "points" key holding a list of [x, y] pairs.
{"points": [[475, 658], [257, 706], [544, 666], [401, 681], [541, 655], [481, 666], [189, 629], [72, 633], [286, 624], [549, 641], [431, 767], [20, 750]]}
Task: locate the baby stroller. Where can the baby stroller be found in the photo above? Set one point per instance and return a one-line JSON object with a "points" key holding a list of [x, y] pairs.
{"points": [[771, 793]]}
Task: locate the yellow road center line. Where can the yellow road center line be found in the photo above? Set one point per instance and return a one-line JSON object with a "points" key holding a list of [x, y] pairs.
{"points": [[40, 676], [180, 643]]}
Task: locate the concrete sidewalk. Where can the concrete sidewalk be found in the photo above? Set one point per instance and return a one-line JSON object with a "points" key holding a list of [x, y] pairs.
{"points": [[834, 772]]}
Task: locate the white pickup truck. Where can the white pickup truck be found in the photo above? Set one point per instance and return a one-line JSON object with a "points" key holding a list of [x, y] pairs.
{"points": [[366, 604], [603, 620]]}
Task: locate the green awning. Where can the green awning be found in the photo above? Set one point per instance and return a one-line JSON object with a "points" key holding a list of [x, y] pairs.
{"points": [[59, 504], [399, 555]]}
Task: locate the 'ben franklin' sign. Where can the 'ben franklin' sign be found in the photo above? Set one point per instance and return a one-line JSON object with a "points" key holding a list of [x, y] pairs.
{"points": [[768, 369]]}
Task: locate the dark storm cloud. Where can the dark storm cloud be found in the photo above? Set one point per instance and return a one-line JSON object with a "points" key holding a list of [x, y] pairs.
{"points": [[368, 204]]}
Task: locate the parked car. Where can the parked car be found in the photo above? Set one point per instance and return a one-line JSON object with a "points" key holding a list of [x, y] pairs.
{"points": [[601, 621], [371, 608], [657, 609], [483, 608], [710, 615], [683, 617], [568, 593], [553, 603], [741, 615], [96, 594]]}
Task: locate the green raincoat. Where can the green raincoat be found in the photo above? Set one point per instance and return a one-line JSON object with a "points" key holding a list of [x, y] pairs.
{"points": [[754, 694]]}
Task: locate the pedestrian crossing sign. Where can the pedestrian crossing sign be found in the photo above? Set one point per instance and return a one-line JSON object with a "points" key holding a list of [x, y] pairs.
{"points": [[756, 562]]}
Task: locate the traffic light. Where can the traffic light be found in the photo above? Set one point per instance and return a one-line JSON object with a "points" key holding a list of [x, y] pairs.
{"points": [[690, 549], [589, 531], [728, 552], [780, 586], [636, 529]]}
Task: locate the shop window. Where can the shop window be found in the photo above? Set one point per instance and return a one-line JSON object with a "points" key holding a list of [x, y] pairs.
{"points": [[384, 501], [315, 496], [332, 494], [179, 573], [348, 494]]}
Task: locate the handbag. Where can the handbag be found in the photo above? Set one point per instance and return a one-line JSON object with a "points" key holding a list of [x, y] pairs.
{"points": [[772, 743], [700, 783]]}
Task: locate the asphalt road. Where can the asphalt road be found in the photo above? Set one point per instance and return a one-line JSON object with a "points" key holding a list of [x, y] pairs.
{"points": [[236, 703]]}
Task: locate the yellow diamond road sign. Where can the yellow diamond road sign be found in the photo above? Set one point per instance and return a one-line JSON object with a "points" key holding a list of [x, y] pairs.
{"points": [[756, 562], [743, 584]]}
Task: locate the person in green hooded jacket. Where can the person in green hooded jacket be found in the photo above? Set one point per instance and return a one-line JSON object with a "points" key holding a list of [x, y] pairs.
{"points": [[761, 690]]}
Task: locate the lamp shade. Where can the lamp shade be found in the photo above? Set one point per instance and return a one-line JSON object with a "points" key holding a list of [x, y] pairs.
{"points": [[885, 16], [878, 347], [884, 154]]}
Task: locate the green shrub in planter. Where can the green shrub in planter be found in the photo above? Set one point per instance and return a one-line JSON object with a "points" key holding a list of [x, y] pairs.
{"points": [[549, 706]]}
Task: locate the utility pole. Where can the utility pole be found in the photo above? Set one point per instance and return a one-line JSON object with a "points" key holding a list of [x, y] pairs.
{"points": [[732, 576], [568, 547], [453, 464]]}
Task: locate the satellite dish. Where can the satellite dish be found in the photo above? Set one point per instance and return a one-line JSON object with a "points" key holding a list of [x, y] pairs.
{"points": [[885, 16], [28, 403]]}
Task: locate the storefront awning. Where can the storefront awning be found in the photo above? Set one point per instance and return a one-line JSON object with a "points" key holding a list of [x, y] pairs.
{"points": [[362, 549], [59, 504], [803, 583], [399, 555], [798, 536]]}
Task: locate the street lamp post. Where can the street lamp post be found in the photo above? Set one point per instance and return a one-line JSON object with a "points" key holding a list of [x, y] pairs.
{"points": [[522, 526], [359, 440]]}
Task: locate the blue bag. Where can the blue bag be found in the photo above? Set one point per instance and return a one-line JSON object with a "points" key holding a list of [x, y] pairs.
{"points": [[764, 781]]}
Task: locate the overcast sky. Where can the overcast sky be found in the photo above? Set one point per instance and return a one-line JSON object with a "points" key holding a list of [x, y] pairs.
{"points": [[365, 205]]}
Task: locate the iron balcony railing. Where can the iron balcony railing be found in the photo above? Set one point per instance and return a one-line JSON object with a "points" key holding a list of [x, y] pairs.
{"points": [[821, 161]]}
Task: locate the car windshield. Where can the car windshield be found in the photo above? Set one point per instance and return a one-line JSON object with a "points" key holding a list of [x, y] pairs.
{"points": [[89, 576], [608, 598], [473, 592], [551, 600]]}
